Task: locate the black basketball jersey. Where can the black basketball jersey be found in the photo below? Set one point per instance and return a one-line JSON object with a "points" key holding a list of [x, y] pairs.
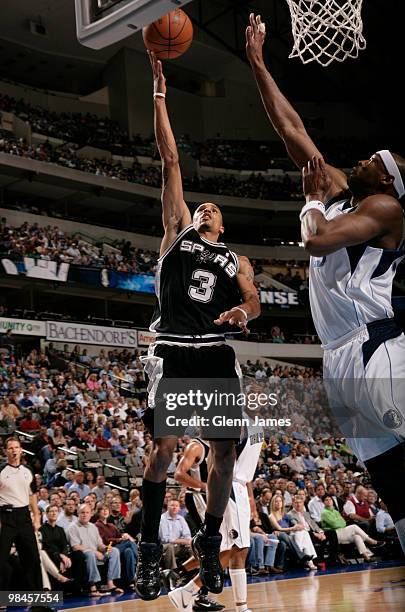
{"points": [[195, 282]]}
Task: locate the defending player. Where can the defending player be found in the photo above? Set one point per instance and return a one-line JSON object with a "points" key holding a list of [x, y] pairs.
{"points": [[354, 230], [235, 528], [204, 291]]}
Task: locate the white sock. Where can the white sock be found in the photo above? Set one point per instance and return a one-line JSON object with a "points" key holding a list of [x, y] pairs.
{"points": [[400, 528], [239, 588]]}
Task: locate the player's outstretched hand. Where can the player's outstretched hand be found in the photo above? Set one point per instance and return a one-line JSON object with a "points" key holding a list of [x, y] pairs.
{"points": [[159, 81], [315, 179], [255, 35], [233, 317]]}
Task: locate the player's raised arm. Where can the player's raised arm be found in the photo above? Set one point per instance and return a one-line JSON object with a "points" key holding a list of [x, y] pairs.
{"points": [[285, 120], [374, 218], [176, 214], [250, 308]]}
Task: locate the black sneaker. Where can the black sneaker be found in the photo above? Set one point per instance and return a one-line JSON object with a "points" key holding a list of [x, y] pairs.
{"points": [[147, 575], [206, 550], [170, 579], [203, 602]]}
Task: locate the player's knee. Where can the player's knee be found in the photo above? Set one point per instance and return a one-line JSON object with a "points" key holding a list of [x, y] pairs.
{"points": [[224, 455], [162, 456]]}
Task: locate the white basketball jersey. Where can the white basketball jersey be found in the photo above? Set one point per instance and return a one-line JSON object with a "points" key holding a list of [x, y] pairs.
{"points": [[351, 287], [247, 453]]}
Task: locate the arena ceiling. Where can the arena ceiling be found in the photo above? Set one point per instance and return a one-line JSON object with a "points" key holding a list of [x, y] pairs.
{"points": [[56, 61]]}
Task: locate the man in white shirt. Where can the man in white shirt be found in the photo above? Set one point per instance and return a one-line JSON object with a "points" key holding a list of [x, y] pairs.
{"points": [[322, 462], [383, 521], [175, 535], [68, 517], [294, 462], [316, 505]]}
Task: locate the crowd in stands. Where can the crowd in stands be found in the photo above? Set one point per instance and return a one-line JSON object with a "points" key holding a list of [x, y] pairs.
{"points": [[314, 503], [255, 186], [89, 129], [51, 243]]}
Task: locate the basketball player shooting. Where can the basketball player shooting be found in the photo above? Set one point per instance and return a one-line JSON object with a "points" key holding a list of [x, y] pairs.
{"points": [[354, 230], [204, 291]]}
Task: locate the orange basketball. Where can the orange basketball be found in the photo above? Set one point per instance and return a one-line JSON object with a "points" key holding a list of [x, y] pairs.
{"points": [[170, 36]]}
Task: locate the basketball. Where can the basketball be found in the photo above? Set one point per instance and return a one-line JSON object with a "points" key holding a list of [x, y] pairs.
{"points": [[170, 36]]}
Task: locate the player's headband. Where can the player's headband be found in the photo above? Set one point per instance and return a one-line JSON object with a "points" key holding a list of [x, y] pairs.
{"points": [[391, 167]]}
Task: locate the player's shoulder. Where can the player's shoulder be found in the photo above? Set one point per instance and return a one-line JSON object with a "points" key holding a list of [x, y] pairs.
{"points": [[380, 202], [3, 465]]}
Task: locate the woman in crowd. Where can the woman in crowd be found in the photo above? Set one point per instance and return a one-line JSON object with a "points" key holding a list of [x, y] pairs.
{"points": [[124, 542], [299, 538], [346, 534]]}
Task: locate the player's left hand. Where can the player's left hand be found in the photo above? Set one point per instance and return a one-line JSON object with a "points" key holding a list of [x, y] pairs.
{"points": [[316, 181], [233, 317]]}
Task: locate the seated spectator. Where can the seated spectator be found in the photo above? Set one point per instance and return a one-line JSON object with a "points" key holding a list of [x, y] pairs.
{"points": [[84, 536], [100, 441], [383, 521], [321, 461], [55, 544], [293, 535], [346, 534], [117, 512], [263, 549], [309, 462], [294, 462], [335, 460], [29, 423], [357, 511], [299, 516], [175, 535], [101, 489], [372, 498], [316, 505], [122, 541], [68, 517], [79, 485]]}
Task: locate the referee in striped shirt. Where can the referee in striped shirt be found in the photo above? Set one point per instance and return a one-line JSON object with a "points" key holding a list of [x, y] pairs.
{"points": [[17, 496]]}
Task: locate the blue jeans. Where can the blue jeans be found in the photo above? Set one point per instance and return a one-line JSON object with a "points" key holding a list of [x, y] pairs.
{"points": [[114, 565], [262, 554], [129, 556]]}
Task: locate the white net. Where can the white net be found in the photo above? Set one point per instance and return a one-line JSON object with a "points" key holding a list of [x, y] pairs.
{"points": [[326, 30]]}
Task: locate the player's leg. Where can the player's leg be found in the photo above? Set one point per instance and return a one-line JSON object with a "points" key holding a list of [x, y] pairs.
{"points": [[147, 577], [387, 472], [182, 597], [237, 573], [207, 542]]}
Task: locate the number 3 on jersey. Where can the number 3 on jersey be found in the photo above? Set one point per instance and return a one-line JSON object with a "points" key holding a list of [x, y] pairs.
{"points": [[205, 289]]}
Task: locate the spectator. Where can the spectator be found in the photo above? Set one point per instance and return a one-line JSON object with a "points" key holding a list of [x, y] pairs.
{"points": [[79, 485], [316, 505], [294, 535], [346, 534], [299, 516], [357, 510], [175, 535], [122, 541], [84, 536], [68, 517], [321, 461], [101, 489]]}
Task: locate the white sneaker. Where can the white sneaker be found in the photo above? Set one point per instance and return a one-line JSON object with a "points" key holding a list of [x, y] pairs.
{"points": [[181, 599]]}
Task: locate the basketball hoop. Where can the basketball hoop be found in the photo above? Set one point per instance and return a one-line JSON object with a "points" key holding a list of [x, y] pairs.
{"points": [[326, 30]]}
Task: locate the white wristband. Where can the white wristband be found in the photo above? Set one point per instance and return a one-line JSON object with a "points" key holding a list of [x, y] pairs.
{"points": [[158, 94], [242, 310], [312, 205]]}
